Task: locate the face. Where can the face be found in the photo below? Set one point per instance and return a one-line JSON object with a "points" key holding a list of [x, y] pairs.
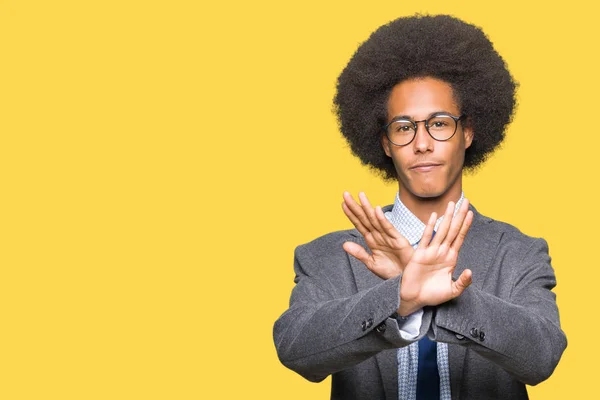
{"points": [[427, 168]]}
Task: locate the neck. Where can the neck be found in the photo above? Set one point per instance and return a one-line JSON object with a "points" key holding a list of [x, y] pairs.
{"points": [[422, 207]]}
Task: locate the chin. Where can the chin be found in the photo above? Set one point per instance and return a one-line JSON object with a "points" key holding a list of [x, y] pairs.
{"points": [[426, 194], [427, 191]]}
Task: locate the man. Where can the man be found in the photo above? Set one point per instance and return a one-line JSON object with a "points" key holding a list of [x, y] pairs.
{"points": [[409, 305]]}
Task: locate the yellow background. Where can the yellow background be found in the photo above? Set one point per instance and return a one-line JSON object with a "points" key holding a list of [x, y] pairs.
{"points": [[160, 160]]}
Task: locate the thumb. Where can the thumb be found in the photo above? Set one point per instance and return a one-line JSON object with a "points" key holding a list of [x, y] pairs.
{"points": [[463, 282], [358, 252]]}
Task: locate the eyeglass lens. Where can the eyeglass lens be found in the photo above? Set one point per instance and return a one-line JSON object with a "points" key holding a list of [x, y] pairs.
{"points": [[402, 131]]}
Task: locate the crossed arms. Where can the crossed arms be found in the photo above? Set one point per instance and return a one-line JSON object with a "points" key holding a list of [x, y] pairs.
{"points": [[323, 331]]}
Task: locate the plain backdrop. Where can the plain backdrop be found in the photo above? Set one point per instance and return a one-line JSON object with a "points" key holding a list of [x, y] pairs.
{"points": [[160, 161]]}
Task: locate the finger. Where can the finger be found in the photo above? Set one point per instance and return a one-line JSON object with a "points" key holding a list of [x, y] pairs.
{"points": [[426, 238], [457, 222], [358, 211], [369, 211], [388, 228], [355, 221], [442, 231], [460, 238], [463, 282], [358, 252]]}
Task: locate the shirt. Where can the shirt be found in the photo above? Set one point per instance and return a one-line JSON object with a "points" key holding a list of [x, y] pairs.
{"points": [[412, 229]]}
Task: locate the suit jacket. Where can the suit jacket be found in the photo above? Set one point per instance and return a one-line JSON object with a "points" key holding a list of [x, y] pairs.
{"points": [[503, 331]]}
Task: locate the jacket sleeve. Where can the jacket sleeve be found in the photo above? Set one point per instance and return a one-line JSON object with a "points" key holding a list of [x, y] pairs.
{"points": [[520, 333], [325, 330]]}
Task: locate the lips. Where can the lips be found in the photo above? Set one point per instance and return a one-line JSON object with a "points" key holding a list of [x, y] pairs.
{"points": [[425, 166]]}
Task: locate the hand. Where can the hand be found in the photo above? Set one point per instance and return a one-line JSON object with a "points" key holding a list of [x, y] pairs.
{"points": [[391, 252], [427, 278]]}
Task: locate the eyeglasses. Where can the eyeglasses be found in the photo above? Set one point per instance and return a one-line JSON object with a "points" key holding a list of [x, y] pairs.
{"points": [[440, 126]]}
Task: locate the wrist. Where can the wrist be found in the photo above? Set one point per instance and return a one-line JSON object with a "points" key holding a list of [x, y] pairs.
{"points": [[409, 302], [407, 307]]}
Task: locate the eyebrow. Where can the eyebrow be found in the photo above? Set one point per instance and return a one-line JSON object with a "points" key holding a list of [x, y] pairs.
{"points": [[428, 116]]}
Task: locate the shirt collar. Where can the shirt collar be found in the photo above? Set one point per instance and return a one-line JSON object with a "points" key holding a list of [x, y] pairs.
{"points": [[408, 224]]}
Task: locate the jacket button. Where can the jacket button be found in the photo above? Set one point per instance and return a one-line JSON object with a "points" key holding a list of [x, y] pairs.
{"points": [[369, 323], [481, 336], [459, 336], [381, 327], [474, 332], [363, 325]]}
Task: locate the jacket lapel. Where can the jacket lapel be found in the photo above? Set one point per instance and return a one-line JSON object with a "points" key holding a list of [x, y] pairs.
{"points": [[476, 254], [478, 249]]}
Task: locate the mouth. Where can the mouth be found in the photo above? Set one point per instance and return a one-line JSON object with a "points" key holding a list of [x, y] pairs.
{"points": [[424, 167]]}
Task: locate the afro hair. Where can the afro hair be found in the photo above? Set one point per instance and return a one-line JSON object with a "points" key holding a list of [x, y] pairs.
{"points": [[441, 47]]}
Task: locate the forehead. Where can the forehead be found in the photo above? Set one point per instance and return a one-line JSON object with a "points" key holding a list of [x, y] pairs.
{"points": [[420, 97]]}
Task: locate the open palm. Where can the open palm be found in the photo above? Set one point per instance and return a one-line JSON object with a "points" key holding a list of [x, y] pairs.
{"points": [[390, 251], [427, 278]]}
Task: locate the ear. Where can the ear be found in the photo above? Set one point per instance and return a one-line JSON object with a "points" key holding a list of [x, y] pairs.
{"points": [[385, 143], [468, 133]]}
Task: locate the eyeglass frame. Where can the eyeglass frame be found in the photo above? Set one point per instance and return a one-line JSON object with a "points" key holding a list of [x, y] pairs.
{"points": [[416, 127]]}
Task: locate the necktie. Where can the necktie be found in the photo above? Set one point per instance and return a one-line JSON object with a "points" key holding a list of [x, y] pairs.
{"points": [[428, 377]]}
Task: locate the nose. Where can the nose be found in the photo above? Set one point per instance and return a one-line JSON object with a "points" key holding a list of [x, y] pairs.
{"points": [[423, 141]]}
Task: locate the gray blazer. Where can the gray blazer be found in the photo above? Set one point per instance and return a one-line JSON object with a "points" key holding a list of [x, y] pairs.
{"points": [[341, 320]]}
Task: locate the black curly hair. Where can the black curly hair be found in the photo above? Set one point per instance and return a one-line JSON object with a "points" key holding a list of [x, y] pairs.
{"points": [[442, 47]]}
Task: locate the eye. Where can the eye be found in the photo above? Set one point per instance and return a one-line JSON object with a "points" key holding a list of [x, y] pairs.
{"points": [[441, 123], [403, 128]]}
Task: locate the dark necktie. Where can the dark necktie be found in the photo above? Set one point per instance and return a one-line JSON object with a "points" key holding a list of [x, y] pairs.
{"points": [[428, 377]]}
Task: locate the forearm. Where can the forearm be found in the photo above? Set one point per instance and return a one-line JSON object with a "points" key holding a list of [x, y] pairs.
{"points": [[524, 339], [316, 339]]}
